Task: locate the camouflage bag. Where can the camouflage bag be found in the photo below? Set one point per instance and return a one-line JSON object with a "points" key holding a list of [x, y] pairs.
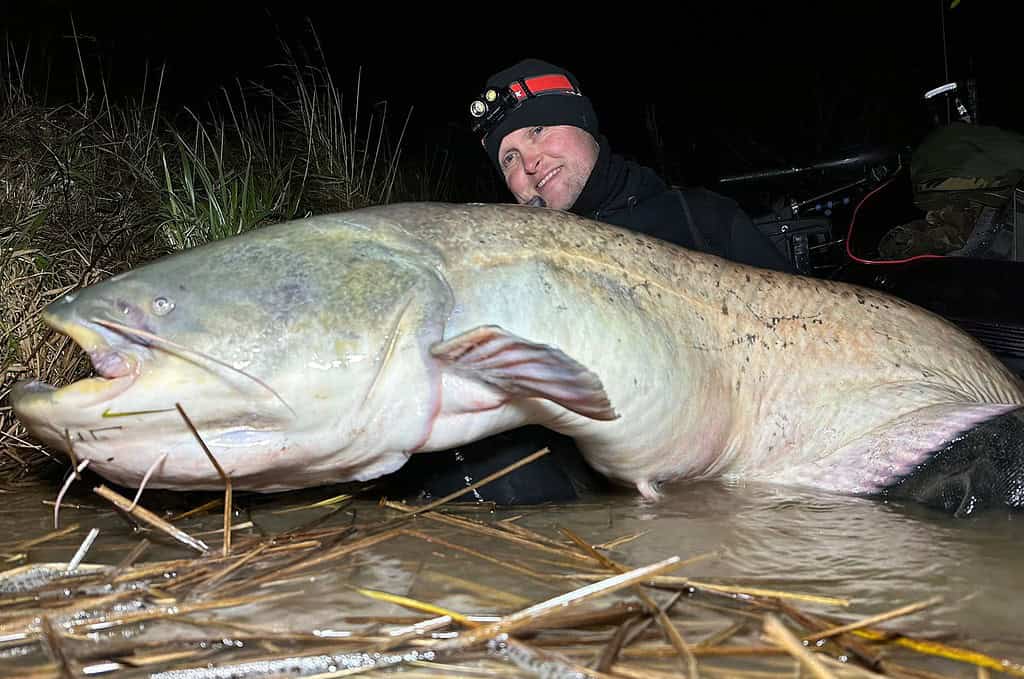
{"points": [[962, 176]]}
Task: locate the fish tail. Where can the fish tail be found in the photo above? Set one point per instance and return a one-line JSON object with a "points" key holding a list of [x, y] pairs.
{"points": [[981, 468]]}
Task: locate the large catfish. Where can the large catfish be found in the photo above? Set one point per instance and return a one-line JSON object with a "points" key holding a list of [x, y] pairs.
{"points": [[332, 348]]}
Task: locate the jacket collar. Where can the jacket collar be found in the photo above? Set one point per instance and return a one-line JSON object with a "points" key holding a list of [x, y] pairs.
{"points": [[615, 184]]}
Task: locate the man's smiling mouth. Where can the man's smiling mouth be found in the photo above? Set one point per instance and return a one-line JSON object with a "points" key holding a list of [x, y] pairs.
{"points": [[548, 176]]}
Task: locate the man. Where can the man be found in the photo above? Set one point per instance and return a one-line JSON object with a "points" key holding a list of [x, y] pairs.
{"points": [[541, 133]]}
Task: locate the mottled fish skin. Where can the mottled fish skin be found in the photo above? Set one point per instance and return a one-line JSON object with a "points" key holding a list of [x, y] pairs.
{"points": [[711, 368]]}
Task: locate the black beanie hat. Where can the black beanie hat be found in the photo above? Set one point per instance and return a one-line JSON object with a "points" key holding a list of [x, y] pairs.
{"points": [[553, 107]]}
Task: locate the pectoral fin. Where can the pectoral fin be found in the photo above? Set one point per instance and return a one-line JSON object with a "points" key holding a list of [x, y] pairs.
{"points": [[520, 368]]}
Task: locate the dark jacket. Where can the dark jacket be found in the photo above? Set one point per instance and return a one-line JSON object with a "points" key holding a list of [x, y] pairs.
{"points": [[632, 196]]}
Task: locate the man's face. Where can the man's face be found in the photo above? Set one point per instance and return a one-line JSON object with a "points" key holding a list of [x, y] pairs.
{"points": [[551, 162]]}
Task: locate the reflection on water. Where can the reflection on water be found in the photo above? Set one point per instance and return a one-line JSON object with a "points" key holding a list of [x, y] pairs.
{"points": [[878, 555]]}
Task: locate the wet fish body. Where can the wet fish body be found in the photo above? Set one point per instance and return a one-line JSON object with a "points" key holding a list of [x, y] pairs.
{"points": [[332, 348]]}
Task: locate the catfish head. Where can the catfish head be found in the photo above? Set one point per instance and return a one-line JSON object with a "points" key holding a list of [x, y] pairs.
{"points": [[285, 347]]}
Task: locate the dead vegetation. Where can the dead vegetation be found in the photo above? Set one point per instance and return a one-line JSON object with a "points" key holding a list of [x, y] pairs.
{"points": [[124, 615]]}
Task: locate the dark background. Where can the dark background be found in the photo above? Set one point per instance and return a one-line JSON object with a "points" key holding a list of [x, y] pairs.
{"points": [[733, 86]]}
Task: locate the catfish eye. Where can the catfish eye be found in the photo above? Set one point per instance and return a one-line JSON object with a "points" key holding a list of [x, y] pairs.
{"points": [[162, 306]]}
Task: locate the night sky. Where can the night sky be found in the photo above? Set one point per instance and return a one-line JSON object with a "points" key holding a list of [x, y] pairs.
{"points": [[732, 88]]}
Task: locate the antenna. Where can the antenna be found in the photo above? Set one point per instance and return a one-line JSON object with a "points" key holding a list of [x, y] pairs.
{"points": [[945, 55]]}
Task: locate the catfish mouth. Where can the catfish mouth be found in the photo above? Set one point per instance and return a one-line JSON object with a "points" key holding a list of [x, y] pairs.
{"points": [[115, 365]]}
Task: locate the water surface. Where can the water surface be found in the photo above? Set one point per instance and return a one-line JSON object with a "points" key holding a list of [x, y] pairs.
{"points": [[879, 556]]}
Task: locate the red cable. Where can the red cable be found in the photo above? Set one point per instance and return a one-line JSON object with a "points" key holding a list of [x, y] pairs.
{"points": [[849, 234]]}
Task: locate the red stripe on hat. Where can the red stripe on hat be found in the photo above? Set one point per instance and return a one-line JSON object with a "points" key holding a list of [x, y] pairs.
{"points": [[518, 91], [549, 83]]}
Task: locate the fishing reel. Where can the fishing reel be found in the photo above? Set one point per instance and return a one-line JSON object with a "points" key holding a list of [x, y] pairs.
{"points": [[962, 97]]}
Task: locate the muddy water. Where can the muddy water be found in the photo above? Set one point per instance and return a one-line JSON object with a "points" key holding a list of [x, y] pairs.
{"points": [[877, 556]]}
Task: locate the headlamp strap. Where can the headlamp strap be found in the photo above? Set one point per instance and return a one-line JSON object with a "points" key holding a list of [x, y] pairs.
{"points": [[542, 84]]}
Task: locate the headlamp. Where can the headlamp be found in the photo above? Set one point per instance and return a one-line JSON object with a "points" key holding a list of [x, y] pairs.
{"points": [[491, 107]]}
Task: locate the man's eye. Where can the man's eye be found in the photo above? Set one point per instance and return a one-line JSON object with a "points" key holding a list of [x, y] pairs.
{"points": [[508, 159], [537, 130]]}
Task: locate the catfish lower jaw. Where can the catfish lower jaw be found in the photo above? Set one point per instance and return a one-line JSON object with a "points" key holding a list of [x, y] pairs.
{"points": [[84, 393], [115, 370]]}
